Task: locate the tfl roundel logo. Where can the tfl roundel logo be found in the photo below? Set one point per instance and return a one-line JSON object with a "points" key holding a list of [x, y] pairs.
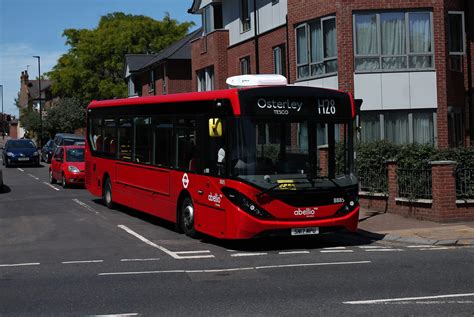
{"points": [[185, 180]]}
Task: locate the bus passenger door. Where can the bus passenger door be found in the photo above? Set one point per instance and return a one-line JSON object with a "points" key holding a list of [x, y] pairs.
{"points": [[212, 216]]}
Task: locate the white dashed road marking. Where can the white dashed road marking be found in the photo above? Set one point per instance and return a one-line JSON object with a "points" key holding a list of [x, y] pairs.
{"points": [[337, 251], [237, 269], [383, 250], [293, 252], [21, 170], [139, 260], [19, 264], [77, 201], [382, 301], [33, 176], [57, 189], [247, 254], [116, 315], [81, 262]]}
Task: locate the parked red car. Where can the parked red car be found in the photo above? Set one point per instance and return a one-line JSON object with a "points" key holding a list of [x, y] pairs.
{"points": [[67, 165]]}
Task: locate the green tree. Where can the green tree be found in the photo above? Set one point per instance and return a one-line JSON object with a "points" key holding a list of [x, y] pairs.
{"points": [[67, 115], [93, 66], [30, 121]]}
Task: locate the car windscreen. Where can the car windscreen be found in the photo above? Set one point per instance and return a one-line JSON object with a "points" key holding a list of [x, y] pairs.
{"points": [[72, 141], [21, 145], [75, 155]]}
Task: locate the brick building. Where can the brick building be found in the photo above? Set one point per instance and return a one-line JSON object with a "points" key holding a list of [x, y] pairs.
{"points": [[410, 61], [167, 72], [29, 95]]}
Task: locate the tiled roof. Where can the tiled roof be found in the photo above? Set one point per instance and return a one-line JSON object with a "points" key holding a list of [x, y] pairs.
{"points": [[180, 49], [136, 61]]}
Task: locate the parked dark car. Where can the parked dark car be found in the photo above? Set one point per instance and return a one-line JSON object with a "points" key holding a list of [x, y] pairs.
{"points": [[61, 139], [23, 151], [47, 151]]}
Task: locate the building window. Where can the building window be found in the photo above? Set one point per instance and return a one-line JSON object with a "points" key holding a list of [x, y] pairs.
{"points": [[244, 15], [392, 41], [134, 86], [399, 127], [164, 88], [205, 79], [456, 40], [316, 48], [151, 83], [279, 60], [455, 127], [212, 18], [245, 65]]}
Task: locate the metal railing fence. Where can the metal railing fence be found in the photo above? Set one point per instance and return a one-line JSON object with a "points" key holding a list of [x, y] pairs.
{"points": [[414, 183]]}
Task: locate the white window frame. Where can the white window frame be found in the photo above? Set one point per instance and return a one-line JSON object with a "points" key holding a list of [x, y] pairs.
{"points": [[408, 52], [409, 113], [246, 25], [245, 62], [205, 79], [457, 55], [164, 86], [324, 60], [207, 16], [279, 63], [152, 83]]}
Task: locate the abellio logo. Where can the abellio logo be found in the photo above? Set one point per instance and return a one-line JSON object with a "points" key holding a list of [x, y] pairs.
{"points": [[214, 198], [308, 212]]}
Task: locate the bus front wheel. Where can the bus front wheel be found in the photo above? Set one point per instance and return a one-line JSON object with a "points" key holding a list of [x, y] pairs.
{"points": [[187, 218], [107, 194]]}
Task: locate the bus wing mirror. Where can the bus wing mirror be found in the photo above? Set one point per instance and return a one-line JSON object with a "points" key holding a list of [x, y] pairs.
{"points": [[215, 127]]}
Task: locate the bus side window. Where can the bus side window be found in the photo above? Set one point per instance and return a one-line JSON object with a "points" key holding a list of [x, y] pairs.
{"points": [[125, 139], [95, 130], [163, 129], [143, 140], [187, 152], [110, 133]]}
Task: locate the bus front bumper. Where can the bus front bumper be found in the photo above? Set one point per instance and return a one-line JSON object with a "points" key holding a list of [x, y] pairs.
{"points": [[250, 227]]}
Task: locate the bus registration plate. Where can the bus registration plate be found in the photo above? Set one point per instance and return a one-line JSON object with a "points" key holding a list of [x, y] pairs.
{"points": [[304, 231]]}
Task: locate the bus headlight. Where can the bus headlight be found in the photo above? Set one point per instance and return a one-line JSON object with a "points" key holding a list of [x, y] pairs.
{"points": [[245, 203]]}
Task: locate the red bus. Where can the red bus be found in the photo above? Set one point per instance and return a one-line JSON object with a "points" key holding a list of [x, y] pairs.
{"points": [[233, 164]]}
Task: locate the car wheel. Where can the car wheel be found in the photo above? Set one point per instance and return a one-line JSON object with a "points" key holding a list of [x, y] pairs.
{"points": [[63, 181], [51, 178], [107, 194], [187, 218]]}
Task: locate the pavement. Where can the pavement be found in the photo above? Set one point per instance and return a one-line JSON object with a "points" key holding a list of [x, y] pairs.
{"points": [[391, 227]]}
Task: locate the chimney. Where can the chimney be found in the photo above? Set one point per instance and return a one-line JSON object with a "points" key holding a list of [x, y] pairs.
{"points": [[24, 77]]}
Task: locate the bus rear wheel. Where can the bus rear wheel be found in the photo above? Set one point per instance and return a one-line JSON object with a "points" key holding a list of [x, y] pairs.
{"points": [[107, 194], [187, 218]]}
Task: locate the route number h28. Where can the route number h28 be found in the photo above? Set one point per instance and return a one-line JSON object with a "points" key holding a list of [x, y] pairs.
{"points": [[326, 106]]}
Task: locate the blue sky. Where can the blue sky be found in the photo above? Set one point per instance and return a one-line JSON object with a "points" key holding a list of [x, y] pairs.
{"points": [[35, 27]]}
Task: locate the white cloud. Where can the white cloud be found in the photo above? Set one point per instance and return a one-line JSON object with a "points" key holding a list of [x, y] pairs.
{"points": [[15, 58]]}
